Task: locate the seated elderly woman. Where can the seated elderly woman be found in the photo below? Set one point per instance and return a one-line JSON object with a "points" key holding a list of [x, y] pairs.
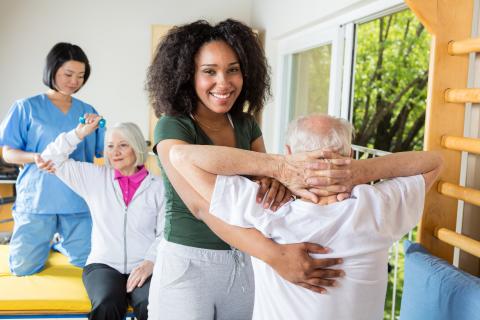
{"points": [[126, 203]]}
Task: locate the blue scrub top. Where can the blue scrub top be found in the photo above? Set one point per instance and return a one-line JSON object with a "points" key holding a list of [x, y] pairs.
{"points": [[31, 124]]}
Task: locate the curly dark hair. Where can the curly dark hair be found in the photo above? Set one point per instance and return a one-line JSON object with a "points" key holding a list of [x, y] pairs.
{"points": [[170, 78]]}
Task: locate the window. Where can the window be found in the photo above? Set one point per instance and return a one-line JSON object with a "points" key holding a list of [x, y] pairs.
{"points": [[390, 82], [310, 81]]}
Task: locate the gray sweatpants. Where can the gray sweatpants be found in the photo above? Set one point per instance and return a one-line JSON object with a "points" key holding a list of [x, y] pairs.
{"points": [[200, 284]]}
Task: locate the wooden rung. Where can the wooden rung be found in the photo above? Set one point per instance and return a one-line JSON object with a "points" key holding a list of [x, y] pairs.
{"points": [[461, 144], [463, 46], [455, 191], [458, 240], [462, 95]]}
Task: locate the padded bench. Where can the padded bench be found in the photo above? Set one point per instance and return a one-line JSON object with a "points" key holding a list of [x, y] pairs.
{"points": [[57, 290]]}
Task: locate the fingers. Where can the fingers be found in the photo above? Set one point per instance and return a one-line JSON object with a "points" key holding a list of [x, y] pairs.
{"points": [[264, 186], [325, 263], [328, 200], [278, 196], [319, 181], [319, 282], [91, 118], [48, 166], [287, 196], [89, 125], [306, 194], [324, 164], [133, 280], [332, 154], [326, 274], [330, 173], [316, 248], [139, 275], [312, 288], [342, 196], [319, 279], [142, 281], [272, 194], [44, 165], [328, 190]]}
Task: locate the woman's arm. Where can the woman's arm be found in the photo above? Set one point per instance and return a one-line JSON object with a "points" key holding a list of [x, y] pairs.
{"points": [[292, 262], [16, 156], [272, 192]]}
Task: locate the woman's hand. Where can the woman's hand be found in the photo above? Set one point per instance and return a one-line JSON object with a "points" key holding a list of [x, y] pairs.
{"points": [[294, 263], [91, 124], [42, 164], [272, 193], [315, 174], [139, 275]]}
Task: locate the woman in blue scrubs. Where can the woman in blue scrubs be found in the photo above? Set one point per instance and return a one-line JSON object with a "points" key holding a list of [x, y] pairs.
{"points": [[45, 205]]}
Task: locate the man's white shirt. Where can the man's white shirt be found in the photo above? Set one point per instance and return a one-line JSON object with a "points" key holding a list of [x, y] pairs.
{"points": [[360, 230]]}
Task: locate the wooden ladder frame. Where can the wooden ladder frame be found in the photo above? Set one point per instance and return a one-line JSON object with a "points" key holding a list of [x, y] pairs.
{"points": [[450, 24]]}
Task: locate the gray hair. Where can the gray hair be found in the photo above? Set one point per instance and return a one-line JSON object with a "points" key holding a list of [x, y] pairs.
{"points": [[133, 135], [320, 131]]}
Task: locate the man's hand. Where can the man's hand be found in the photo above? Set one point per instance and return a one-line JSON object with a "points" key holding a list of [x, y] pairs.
{"points": [[139, 275], [294, 263], [316, 173]]}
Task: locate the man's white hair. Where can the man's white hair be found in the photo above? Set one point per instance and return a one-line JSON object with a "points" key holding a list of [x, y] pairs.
{"points": [[320, 131], [134, 136]]}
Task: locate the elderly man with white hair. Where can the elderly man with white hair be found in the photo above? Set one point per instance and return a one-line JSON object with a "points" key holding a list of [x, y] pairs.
{"points": [[359, 229]]}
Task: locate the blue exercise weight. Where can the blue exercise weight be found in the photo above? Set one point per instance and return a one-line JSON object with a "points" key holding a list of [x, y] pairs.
{"points": [[101, 123]]}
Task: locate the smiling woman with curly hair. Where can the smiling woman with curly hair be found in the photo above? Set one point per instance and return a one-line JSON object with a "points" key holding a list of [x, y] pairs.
{"points": [[171, 75], [206, 83]]}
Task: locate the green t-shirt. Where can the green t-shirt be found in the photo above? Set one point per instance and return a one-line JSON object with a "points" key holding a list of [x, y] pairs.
{"points": [[180, 225]]}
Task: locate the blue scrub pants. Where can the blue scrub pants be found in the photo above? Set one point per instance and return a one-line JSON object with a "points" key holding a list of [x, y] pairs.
{"points": [[32, 239]]}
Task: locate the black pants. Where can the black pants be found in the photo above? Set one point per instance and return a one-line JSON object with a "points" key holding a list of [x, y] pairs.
{"points": [[107, 290]]}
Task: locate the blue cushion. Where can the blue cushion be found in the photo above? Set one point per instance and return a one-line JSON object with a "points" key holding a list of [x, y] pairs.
{"points": [[434, 289]]}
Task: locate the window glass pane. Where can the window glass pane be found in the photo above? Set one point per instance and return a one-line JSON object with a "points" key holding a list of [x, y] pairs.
{"points": [[390, 85], [310, 81]]}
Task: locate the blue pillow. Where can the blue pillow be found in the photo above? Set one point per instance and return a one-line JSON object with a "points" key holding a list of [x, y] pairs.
{"points": [[434, 289]]}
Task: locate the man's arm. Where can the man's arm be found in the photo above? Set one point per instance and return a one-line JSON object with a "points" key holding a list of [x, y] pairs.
{"points": [[400, 164]]}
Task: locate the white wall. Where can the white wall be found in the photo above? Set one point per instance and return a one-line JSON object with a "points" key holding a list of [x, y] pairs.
{"points": [[115, 34], [282, 18]]}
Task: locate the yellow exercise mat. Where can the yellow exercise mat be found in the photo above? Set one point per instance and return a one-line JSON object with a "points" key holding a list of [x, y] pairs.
{"points": [[58, 289]]}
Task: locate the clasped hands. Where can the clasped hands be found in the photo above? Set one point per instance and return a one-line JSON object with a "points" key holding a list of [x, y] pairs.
{"points": [[319, 176], [322, 177]]}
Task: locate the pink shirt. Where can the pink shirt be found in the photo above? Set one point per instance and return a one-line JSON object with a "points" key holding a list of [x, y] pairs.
{"points": [[130, 184]]}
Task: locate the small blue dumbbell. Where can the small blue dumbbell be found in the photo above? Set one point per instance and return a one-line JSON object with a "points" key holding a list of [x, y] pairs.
{"points": [[101, 123]]}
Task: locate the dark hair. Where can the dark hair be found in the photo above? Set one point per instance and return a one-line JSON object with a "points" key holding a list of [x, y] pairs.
{"points": [[58, 55], [170, 78]]}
